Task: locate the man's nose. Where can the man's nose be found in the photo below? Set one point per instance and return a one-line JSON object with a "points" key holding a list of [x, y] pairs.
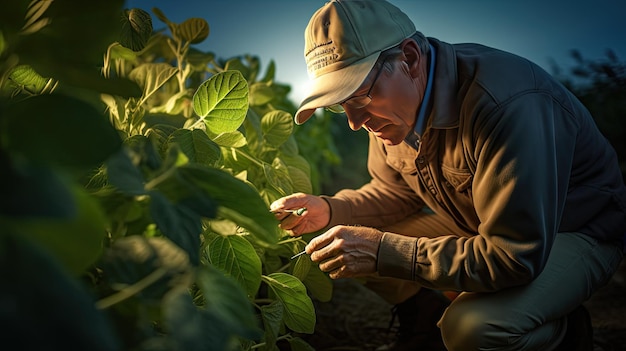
{"points": [[357, 120]]}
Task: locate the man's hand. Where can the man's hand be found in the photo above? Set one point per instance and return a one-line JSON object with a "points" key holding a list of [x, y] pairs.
{"points": [[346, 251], [315, 217]]}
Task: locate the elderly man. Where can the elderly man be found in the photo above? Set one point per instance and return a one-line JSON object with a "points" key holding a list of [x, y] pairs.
{"points": [[489, 178]]}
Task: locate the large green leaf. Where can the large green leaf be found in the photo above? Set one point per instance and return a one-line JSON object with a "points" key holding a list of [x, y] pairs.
{"points": [[92, 27], [227, 300], [301, 181], [260, 94], [230, 139], [190, 328], [222, 101], [26, 78], [235, 64], [272, 316], [235, 256], [278, 176], [277, 127], [193, 30], [198, 60], [319, 284], [58, 130], [151, 76], [77, 241], [197, 146], [153, 265], [136, 29], [298, 344], [238, 201], [124, 175], [30, 190], [179, 223], [38, 294], [302, 267], [299, 311]]}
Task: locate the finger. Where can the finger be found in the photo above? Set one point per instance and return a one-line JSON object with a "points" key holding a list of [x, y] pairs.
{"points": [[331, 264], [321, 241], [296, 200], [339, 273], [290, 221]]}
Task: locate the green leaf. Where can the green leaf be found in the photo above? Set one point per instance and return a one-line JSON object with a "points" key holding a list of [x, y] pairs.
{"points": [[124, 175], [277, 175], [319, 284], [302, 267], [38, 294], [156, 262], [260, 94], [227, 300], [236, 257], [194, 30], [298, 344], [222, 101], [296, 161], [73, 62], [235, 64], [117, 51], [198, 59], [178, 223], [30, 190], [26, 77], [197, 146], [301, 181], [151, 76], [230, 139], [252, 125], [277, 126], [238, 201], [269, 72], [59, 130], [299, 311], [77, 241], [161, 133], [272, 316], [136, 29], [190, 328]]}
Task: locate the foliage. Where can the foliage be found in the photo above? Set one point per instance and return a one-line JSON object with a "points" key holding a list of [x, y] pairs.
{"points": [[144, 188]]}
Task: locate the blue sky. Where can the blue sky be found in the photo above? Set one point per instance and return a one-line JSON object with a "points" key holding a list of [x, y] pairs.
{"points": [[540, 30]]}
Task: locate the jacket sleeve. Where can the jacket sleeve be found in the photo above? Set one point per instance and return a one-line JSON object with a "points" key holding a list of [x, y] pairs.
{"points": [[523, 153], [386, 199]]}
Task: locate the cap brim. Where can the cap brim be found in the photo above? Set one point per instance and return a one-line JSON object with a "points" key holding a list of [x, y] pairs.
{"points": [[333, 87]]}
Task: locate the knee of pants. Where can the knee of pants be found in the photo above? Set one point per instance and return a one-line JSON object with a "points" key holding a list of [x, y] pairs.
{"points": [[466, 328]]}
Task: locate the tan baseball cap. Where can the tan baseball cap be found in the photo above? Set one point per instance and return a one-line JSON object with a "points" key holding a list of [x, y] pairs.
{"points": [[342, 43]]}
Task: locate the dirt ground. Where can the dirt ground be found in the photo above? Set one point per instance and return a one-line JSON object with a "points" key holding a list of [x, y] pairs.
{"points": [[347, 323]]}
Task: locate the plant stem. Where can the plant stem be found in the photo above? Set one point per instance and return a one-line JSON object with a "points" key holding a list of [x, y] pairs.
{"points": [[131, 289], [282, 337]]}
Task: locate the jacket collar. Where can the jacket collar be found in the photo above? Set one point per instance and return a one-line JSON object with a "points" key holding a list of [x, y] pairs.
{"points": [[445, 112]]}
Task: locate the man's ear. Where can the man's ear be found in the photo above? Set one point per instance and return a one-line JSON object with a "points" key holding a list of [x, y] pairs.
{"points": [[411, 55]]}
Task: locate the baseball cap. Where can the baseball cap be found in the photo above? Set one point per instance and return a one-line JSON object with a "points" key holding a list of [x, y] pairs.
{"points": [[343, 40]]}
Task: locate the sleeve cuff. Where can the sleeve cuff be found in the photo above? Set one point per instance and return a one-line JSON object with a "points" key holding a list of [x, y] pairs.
{"points": [[397, 256]]}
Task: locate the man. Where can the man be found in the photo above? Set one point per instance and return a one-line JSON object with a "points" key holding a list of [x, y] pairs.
{"points": [[489, 179]]}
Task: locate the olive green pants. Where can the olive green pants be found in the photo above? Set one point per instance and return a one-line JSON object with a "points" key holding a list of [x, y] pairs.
{"points": [[529, 317]]}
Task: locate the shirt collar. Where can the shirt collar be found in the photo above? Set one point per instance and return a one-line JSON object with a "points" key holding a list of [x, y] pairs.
{"points": [[413, 139]]}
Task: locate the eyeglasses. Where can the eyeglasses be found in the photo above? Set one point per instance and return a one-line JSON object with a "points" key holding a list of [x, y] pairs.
{"points": [[359, 101]]}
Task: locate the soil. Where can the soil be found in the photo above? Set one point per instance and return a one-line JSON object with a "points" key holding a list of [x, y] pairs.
{"points": [[357, 319]]}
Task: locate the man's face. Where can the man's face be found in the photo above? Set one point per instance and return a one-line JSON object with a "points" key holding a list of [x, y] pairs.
{"points": [[396, 98]]}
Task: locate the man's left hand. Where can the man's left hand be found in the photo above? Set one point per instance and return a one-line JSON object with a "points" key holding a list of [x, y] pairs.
{"points": [[346, 251]]}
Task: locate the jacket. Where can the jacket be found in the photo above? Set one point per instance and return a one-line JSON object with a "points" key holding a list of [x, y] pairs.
{"points": [[508, 154]]}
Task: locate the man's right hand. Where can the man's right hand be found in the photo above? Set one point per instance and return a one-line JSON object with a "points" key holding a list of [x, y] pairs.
{"points": [[316, 216]]}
